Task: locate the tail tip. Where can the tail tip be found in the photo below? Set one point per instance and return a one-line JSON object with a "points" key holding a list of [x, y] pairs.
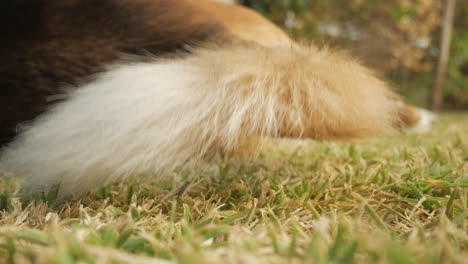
{"points": [[425, 122]]}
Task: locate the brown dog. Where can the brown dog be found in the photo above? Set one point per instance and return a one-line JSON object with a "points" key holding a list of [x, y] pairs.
{"points": [[106, 89]]}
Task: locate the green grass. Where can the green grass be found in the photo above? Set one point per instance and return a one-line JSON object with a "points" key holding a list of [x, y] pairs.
{"points": [[392, 200]]}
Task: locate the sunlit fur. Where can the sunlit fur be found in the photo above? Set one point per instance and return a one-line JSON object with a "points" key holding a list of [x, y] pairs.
{"points": [[151, 118]]}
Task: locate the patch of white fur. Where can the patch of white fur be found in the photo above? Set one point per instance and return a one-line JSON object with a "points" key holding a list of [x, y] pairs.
{"points": [[148, 118], [425, 121]]}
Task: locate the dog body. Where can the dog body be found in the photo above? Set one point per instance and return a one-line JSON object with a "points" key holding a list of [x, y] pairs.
{"points": [[107, 89]]}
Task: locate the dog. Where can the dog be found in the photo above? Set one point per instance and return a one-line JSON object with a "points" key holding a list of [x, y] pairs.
{"points": [[94, 91]]}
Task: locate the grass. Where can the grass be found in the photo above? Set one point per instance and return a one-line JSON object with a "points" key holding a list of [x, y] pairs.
{"points": [[397, 200]]}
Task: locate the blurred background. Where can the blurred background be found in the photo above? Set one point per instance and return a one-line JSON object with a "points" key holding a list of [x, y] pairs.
{"points": [[400, 39]]}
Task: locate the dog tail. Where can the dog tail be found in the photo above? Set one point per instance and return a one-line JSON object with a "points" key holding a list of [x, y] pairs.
{"points": [[152, 117]]}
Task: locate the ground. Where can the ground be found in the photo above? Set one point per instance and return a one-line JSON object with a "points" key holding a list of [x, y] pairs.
{"points": [[393, 200]]}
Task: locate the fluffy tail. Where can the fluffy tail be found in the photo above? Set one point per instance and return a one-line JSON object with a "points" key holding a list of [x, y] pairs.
{"points": [[147, 118]]}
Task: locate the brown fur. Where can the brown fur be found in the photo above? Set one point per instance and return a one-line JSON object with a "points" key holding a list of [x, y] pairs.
{"points": [[409, 115]]}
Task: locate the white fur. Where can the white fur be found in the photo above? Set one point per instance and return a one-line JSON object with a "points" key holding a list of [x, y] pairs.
{"points": [[425, 121], [148, 118]]}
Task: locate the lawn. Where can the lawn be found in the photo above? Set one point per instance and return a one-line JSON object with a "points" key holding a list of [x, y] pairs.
{"points": [[390, 200]]}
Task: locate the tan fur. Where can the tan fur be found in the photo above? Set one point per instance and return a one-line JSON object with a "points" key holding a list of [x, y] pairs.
{"points": [[56, 42], [251, 26], [244, 23], [410, 115], [151, 118]]}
